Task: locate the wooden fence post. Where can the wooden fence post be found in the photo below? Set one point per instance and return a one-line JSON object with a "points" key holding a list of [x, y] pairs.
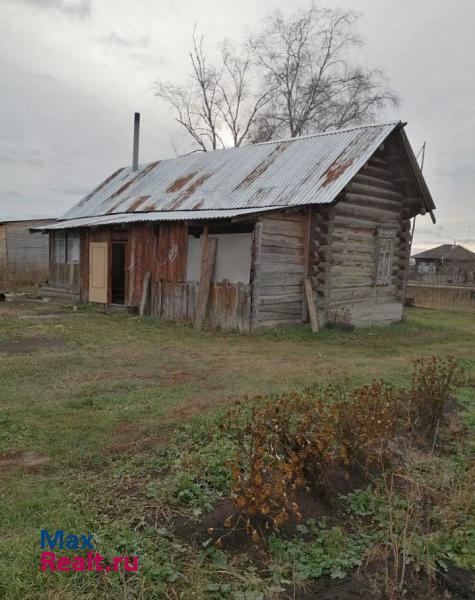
{"points": [[208, 255]]}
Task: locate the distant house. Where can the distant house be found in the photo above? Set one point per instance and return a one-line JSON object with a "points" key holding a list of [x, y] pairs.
{"points": [[447, 257], [20, 248], [254, 236]]}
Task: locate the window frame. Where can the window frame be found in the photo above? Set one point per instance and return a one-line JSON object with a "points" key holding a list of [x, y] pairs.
{"points": [[59, 250], [384, 255], [62, 252], [74, 237]]}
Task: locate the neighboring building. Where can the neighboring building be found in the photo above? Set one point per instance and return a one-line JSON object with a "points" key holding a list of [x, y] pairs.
{"points": [[229, 236], [20, 248], [446, 258]]}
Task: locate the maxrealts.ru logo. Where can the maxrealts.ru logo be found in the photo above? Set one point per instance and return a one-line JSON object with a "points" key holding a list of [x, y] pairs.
{"points": [[92, 561]]}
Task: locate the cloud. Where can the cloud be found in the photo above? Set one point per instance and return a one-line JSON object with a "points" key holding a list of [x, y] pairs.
{"points": [[115, 39], [75, 8], [74, 189]]}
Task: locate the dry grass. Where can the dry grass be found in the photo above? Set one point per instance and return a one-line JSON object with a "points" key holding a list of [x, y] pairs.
{"points": [[21, 277]]}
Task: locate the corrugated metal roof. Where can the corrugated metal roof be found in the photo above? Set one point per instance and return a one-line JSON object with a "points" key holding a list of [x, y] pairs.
{"points": [[176, 215], [306, 170]]}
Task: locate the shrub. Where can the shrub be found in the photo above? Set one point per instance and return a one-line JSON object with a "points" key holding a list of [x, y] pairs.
{"points": [[432, 383], [299, 438]]}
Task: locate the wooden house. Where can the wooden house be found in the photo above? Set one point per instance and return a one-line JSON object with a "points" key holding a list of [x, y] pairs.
{"points": [[447, 257], [254, 236]]}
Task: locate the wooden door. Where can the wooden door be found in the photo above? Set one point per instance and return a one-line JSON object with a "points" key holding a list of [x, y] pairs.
{"points": [[98, 272]]}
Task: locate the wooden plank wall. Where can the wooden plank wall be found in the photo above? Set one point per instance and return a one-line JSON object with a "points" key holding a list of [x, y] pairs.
{"points": [[344, 241], [280, 268], [24, 247], [3, 243], [229, 306], [161, 251]]}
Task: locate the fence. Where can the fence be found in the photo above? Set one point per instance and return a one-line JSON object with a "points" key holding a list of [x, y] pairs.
{"points": [[229, 305], [446, 297]]}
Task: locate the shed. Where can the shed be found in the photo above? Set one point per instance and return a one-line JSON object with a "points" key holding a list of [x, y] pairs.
{"points": [[253, 236]]}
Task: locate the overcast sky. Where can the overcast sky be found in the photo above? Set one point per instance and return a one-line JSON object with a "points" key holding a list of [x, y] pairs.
{"points": [[72, 72]]}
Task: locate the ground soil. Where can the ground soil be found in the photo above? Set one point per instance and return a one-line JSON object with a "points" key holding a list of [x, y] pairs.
{"points": [[26, 460], [23, 345]]}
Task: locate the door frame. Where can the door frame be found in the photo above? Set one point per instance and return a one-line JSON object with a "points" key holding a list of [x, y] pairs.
{"points": [[126, 271]]}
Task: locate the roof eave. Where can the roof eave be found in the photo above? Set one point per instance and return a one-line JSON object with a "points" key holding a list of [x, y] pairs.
{"points": [[426, 195]]}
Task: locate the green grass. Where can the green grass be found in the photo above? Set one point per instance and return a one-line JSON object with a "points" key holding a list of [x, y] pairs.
{"points": [[102, 404]]}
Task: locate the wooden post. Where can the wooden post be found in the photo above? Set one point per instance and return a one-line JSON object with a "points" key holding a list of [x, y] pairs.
{"points": [[145, 293], [256, 275], [312, 309], [131, 267], [306, 260], [208, 255]]}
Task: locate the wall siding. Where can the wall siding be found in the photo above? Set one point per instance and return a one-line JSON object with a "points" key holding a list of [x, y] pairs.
{"points": [[229, 305], [280, 268], [23, 248]]}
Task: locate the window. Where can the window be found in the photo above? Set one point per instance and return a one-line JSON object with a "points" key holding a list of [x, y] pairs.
{"points": [[66, 247], [59, 247], [384, 255], [72, 247]]}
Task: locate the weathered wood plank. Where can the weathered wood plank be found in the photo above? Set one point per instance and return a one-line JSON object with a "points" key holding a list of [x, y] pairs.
{"points": [[206, 274], [270, 258], [282, 240], [145, 299], [311, 306]]}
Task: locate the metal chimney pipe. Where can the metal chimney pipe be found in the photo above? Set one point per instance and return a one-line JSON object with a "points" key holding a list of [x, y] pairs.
{"points": [[135, 157]]}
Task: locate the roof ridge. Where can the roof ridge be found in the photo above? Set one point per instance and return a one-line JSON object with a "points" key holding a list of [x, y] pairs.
{"points": [[323, 133], [276, 141]]}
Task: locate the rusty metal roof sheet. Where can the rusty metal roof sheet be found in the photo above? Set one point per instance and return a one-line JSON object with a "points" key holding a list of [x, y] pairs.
{"points": [[173, 215], [306, 170]]}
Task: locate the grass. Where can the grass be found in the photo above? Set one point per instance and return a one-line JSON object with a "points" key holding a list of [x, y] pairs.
{"points": [[102, 402]]}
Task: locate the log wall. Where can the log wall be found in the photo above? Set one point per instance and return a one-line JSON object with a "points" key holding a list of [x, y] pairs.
{"points": [[344, 245]]}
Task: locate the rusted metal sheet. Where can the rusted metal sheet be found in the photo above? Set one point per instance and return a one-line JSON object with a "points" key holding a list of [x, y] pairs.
{"points": [[307, 170]]}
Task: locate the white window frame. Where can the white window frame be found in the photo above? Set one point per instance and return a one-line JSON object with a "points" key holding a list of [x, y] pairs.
{"points": [[59, 247], [66, 247], [384, 255], [73, 247]]}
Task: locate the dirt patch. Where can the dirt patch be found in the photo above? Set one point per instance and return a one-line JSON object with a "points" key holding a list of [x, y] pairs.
{"points": [[25, 460], [237, 539], [24, 345], [459, 583], [183, 377], [327, 589], [130, 437]]}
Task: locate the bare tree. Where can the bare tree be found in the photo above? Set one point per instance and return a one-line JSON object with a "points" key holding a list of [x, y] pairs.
{"points": [[197, 105], [240, 106], [218, 102], [294, 77], [305, 61]]}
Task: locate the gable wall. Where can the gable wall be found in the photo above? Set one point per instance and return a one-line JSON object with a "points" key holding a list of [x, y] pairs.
{"points": [[344, 242]]}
